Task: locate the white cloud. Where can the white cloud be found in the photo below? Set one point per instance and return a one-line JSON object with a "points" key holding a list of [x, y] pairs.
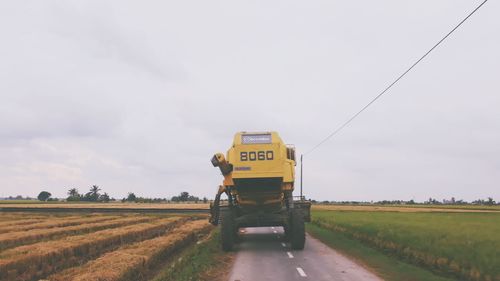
{"points": [[138, 96]]}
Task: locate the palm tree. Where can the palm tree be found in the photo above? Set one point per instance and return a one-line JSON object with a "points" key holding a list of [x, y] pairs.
{"points": [[74, 195], [73, 192], [94, 192], [131, 197], [104, 197]]}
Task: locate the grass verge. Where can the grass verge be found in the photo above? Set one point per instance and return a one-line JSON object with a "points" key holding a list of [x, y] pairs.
{"points": [[203, 261], [387, 267]]}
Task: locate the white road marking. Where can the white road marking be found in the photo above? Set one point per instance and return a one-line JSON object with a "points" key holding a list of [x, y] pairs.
{"points": [[283, 244], [272, 227], [289, 255], [301, 272], [275, 231]]}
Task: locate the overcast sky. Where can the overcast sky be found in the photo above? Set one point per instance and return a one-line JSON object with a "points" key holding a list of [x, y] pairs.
{"points": [[138, 95]]}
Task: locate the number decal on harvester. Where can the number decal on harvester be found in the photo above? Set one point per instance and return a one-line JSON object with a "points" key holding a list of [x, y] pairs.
{"points": [[261, 155], [256, 155]]}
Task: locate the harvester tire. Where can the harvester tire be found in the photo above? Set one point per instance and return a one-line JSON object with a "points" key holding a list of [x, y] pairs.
{"points": [[298, 230], [227, 231], [237, 237], [286, 229]]}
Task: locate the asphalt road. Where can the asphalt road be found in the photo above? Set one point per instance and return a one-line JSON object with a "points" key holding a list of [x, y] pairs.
{"points": [[262, 255]]}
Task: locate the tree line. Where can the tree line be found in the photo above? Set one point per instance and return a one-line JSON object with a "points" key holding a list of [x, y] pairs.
{"points": [[94, 195], [431, 201]]}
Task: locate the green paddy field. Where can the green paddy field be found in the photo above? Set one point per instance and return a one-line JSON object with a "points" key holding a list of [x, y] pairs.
{"points": [[457, 245]]}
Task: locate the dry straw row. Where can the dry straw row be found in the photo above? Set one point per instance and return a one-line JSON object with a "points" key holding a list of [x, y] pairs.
{"points": [[13, 239], [41, 259], [133, 262], [56, 222], [5, 217], [25, 219], [19, 221]]}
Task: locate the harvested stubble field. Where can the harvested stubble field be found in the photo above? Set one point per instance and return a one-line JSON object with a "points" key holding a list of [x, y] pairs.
{"points": [[459, 244], [130, 245]]}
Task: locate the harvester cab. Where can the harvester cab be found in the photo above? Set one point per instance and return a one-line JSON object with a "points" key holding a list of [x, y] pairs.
{"points": [[259, 176]]}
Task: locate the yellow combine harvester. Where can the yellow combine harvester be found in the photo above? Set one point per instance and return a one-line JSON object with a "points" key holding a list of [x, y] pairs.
{"points": [[259, 175]]}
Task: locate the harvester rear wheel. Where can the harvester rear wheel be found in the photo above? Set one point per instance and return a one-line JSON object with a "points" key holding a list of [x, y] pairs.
{"points": [[298, 230], [286, 229], [227, 230], [236, 233]]}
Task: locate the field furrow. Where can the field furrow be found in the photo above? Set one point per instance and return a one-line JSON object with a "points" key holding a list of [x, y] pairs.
{"points": [[13, 239], [131, 262], [59, 222], [32, 262]]}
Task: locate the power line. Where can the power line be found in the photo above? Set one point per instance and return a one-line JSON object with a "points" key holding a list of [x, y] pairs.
{"points": [[336, 131]]}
